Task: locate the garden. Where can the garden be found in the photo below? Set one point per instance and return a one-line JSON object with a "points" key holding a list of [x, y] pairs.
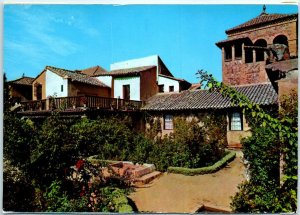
{"points": [[46, 166]]}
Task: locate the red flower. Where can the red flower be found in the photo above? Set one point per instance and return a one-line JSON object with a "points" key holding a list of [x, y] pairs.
{"points": [[82, 193], [79, 164]]}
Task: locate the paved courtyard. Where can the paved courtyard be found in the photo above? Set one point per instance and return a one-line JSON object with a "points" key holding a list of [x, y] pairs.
{"points": [[175, 193]]}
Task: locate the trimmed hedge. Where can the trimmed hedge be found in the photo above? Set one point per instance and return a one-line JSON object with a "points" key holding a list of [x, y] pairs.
{"points": [[204, 170]]}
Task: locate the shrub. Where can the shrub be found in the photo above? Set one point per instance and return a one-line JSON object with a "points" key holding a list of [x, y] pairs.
{"points": [[108, 138], [18, 194], [19, 136], [204, 170]]}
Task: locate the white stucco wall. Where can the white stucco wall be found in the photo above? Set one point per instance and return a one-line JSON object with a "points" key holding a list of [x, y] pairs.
{"points": [[134, 83], [53, 85], [146, 61], [105, 79], [168, 82]]}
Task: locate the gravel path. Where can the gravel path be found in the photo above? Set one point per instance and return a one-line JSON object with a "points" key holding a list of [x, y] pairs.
{"points": [[175, 193]]}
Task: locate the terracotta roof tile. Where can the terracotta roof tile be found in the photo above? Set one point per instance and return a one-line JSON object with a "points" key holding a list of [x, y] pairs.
{"points": [[262, 19], [93, 71], [23, 81], [219, 44], [76, 76], [129, 71], [171, 77], [262, 94]]}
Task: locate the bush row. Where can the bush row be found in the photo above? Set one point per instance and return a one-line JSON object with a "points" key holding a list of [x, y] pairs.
{"points": [[204, 170]]}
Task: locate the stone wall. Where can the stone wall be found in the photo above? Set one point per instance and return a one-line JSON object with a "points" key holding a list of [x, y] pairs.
{"points": [[233, 137]]}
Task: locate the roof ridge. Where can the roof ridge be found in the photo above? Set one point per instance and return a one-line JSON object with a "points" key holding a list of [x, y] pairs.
{"points": [[137, 67]]}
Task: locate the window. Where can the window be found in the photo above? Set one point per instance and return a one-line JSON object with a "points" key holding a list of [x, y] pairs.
{"points": [[281, 39], [168, 122], [171, 88], [126, 92], [248, 55], [161, 88], [39, 92], [238, 50], [260, 53], [248, 52], [62, 88], [236, 122], [228, 53]]}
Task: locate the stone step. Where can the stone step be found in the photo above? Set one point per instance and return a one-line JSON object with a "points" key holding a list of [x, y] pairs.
{"points": [[141, 171], [145, 179]]}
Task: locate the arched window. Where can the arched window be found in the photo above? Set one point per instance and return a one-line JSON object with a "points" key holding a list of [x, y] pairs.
{"points": [[281, 39], [260, 52]]}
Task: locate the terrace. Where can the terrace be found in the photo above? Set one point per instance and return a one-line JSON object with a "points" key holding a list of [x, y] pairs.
{"points": [[79, 104]]}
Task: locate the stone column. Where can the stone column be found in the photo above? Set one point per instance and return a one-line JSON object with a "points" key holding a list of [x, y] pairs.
{"points": [[223, 54], [232, 53], [254, 55], [243, 53], [265, 56]]}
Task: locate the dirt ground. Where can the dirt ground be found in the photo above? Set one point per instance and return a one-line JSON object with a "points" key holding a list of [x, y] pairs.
{"points": [[175, 193]]}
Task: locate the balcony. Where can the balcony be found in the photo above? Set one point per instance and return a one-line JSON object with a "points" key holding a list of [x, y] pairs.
{"points": [[80, 103]]}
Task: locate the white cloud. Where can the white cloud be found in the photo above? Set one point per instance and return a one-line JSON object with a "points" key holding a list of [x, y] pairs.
{"points": [[39, 26]]}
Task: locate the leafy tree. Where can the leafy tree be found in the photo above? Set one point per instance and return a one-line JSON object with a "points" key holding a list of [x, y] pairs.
{"points": [[53, 150]]}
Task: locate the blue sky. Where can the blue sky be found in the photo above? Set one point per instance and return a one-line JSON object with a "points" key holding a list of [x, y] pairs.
{"points": [[82, 36]]}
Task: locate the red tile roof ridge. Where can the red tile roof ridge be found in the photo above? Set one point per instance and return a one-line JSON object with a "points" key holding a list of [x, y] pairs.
{"points": [[93, 71]]}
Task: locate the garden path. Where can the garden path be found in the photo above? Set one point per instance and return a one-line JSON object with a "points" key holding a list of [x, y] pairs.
{"points": [[176, 193]]}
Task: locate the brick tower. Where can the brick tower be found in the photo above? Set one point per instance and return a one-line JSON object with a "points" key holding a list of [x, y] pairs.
{"points": [[246, 51]]}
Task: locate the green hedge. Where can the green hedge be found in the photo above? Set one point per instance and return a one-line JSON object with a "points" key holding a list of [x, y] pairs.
{"points": [[204, 170]]}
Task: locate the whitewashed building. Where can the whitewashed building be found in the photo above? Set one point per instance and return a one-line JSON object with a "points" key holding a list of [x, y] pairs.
{"points": [[139, 79]]}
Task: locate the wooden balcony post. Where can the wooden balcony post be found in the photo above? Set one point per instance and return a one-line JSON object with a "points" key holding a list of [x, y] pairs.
{"points": [[47, 104]]}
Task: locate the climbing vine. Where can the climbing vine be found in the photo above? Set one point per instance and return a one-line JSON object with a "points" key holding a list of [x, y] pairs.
{"points": [[285, 129]]}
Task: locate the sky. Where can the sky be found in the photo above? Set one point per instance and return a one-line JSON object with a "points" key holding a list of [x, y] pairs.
{"points": [[82, 36]]}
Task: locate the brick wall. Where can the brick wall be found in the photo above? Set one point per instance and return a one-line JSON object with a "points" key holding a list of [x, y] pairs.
{"points": [[237, 71]]}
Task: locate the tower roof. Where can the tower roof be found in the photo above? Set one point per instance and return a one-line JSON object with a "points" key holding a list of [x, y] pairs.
{"points": [[263, 19]]}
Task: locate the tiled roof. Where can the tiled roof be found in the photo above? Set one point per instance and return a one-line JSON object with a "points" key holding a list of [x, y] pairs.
{"points": [[130, 71], [23, 81], [283, 66], [170, 77], [231, 40], [262, 94], [76, 76], [262, 19], [93, 71], [195, 86]]}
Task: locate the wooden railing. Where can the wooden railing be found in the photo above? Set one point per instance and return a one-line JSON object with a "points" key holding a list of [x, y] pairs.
{"points": [[69, 103]]}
